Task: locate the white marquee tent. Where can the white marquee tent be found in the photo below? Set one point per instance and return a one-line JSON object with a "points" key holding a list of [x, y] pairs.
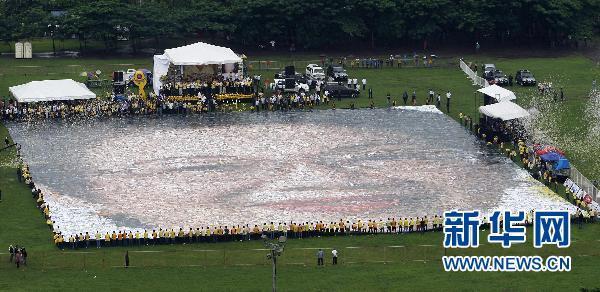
{"points": [[51, 90], [195, 54], [497, 92], [504, 110]]}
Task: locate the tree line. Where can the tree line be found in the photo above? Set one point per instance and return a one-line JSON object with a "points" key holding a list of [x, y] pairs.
{"points": [[303, 24]]}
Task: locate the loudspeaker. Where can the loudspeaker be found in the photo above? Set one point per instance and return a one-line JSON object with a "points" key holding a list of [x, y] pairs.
{"points": [[290, 83], [290, 71], [119, 88], [118, 76]]}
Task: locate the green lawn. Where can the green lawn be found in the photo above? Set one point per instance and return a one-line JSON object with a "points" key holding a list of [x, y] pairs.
{"points": [[374, 266]]}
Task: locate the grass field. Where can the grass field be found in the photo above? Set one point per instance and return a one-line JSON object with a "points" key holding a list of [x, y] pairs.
{"points": [[373, 266]]}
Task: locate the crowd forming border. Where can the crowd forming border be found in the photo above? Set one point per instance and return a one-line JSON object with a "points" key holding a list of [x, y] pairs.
{"points": [[576, 176]]}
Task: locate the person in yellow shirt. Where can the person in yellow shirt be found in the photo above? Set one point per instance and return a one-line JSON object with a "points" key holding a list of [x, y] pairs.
{"points": [[255, 232], [190, 235], [137, 238], [98, 238], [180, 236], [107, 239], [145, 237], [87, 240], [197, 235]]}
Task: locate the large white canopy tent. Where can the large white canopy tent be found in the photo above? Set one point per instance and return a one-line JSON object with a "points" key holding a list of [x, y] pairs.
{"points": [[51, 90], [497, 92], [504, 110], [195, 54]]}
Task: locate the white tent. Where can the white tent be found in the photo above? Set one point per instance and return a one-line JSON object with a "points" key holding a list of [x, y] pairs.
{"points": [[195, 54], [50, 90], [497, 92], [504, 110]]}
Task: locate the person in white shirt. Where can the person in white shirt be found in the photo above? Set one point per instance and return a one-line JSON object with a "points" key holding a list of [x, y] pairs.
{"points": [[364, 83], [355, 82], [334, 254], [448, 97]]}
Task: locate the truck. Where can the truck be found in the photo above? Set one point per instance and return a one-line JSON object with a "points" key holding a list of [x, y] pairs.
{"points": [[315, 72]]}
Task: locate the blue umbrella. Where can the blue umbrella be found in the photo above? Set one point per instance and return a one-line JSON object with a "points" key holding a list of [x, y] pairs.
{"points": [[562, 163], [551, 156]]}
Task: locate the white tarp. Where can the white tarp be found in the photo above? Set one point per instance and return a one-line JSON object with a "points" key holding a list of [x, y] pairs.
{"points": [[504, 110], [195, 55], [50, 90], [161, 67], [201, 54], [497, 92]]}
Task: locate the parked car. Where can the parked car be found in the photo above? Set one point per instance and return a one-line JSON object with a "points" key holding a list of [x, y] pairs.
{"points": [[524, 78], [313, 71], [128, 75], [279, 84], [497, 77], [487, 68], [337, 73], [339, 91]]}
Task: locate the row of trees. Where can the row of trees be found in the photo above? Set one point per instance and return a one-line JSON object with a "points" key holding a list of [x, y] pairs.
{"points": [[302, 24]]}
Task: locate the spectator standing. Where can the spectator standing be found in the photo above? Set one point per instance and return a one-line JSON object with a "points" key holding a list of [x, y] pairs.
{"points": [[18, 257], [439, 100], [389, 99], [405, 97], [431, 93], [477, 47], [370, 93], [334, 254], [320, 255], [364, 83], [414, 97], [448, 97], [24, 256], [11, 250]]}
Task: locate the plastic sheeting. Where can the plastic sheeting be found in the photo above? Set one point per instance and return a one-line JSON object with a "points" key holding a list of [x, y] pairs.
{"points": [[51, 90], [505, 111]]}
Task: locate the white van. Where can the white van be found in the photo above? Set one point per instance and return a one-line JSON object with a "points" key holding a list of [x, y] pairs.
{"points": [[313, 71]]}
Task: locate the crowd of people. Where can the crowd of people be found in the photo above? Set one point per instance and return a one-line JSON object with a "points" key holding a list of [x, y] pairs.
{"points": [[525, 155], [18, 255], [219, 84]]}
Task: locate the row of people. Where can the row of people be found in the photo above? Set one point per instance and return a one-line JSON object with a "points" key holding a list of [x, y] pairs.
{"points": [[245, 232], [215, 86]]}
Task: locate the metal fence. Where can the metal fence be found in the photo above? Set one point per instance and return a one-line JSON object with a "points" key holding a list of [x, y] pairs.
{"points": [[481, 82], [584, 183], [352, 63]]}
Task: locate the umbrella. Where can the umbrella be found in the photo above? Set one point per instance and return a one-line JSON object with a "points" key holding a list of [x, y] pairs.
{"points": [[552, 156], [548, 149], [562, 163]]}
